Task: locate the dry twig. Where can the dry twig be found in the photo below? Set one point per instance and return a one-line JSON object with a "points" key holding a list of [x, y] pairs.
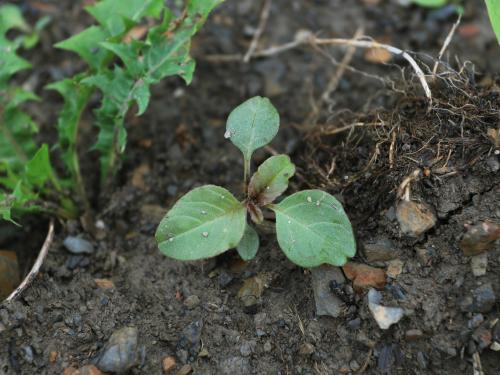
{"points": [[36, 267], [264, 16], [445, 44]]}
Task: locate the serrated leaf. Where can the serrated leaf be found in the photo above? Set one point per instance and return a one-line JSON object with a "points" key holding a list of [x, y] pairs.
{"points": [[493, 7], [312, 229], [75, 97], [17, 131], [114, 14], [204, 223], [249, 244], [271, 179], [252, 124], [86, 45]]}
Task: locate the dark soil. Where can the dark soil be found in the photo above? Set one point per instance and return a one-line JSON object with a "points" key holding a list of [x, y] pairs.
{"points": [[178, 144]]}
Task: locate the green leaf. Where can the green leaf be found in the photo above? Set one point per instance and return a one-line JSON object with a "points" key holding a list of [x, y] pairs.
{"points": [[271, 179], [86, 45], [115, 15], [17, 131], [252, 124], [39, 170], [430, 3], [494, 14], [11, 18], [312, 229], [76, 97], [204, 223], [249, 244]]}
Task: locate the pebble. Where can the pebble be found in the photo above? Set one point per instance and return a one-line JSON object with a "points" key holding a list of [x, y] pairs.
{"points": [[354, 365], [252, 289], [235, 366], [86, 370], [120, 352], [186, 369], [28, 354], [475, 321], [327, 303], [78, 245], [9, 273], [426, 257], [395, 268], [260, 321], [384, 316], [479, 264], [192, 301], [247, 348], [75, 261], [53, 356], [168, 364], [479, 238], [189, 342], [104, 283], [422, 360], [379, 250], [483, 337], [306, 349], [354, 324], [415, 218], [413, 334], [268, 346], [482, 300], [224, 279], [364, 276]]}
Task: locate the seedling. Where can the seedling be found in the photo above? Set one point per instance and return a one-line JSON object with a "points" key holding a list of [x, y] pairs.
{"points": [[311, 225]]}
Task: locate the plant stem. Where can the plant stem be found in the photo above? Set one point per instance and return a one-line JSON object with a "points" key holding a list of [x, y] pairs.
{"points": [[246, 172]]}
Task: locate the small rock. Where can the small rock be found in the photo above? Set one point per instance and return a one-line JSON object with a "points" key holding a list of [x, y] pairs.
{"points": [[203, 353], [75, 261], [247, 348], [395, 268], [190, 339], [415, 218], [235, 366], [364, 276], [104, 283], [354, 365], [493, 163], [260, 321], [78, 245], [354, 324], [186, 369], [192, 301], [306, 349], [422, 360], [87, 370], [483, 337], [252, 289], [153, 212], [268, 346], [120, 352], [479, 238], [28, 354], [384, 316], [139, 175], [69, 371], [482, 300], [9, 273], [168, 364], [377, 55], [327, 303], [426, 257], [475, 321], [224, 279], [413, 334], [380, 250], [53, 356], [479, 264]]}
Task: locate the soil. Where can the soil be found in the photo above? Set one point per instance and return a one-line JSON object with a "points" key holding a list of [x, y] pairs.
{"points": [[179, 144]]}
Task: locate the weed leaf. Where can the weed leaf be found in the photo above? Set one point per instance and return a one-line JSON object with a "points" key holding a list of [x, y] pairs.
{"points": [[249, 244], [252, 124], [494, 14], [204, 223], [271, 179], [312, 229]]}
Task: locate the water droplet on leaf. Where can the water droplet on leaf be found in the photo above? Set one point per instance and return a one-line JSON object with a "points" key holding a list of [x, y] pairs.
{"points": [[205, 234], [309, 199], [203, 212], [228, 134]]}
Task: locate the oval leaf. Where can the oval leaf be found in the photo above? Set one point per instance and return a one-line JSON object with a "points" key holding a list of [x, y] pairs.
{"points": [[249, 244], [271, 179], [313, 229], [204, 223], [252, 124]]}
